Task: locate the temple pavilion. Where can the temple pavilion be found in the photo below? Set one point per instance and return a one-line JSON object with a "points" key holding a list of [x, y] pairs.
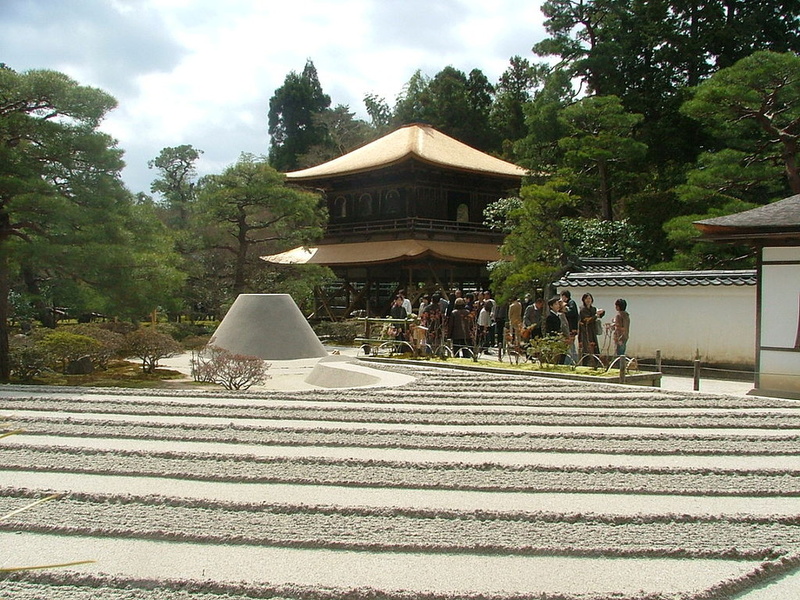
{"points": [[405, 212]]}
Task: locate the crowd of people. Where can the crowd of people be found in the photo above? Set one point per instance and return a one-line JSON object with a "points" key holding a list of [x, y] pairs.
{"points": [[476, 323]]}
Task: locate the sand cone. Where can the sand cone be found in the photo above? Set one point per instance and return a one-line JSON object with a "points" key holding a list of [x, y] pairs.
{"points": [[269, 326]]}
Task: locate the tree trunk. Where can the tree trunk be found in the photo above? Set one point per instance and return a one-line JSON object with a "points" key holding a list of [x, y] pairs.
{"points": [[5, 358], [605, 195], [790, 162], [46, 313], [240, 266]]}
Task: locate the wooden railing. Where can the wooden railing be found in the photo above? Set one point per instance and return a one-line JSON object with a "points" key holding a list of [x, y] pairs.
{"points": [[408, 224]]}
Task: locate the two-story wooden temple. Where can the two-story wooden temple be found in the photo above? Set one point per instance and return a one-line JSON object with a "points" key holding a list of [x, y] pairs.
{"points": [[405, 212]]}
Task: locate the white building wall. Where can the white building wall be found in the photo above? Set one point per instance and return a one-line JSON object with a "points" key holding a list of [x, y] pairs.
{"points": [[717, 322], [779, 354]]}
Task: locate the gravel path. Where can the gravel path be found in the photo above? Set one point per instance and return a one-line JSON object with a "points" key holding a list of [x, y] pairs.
{"points": [[457, 485]]}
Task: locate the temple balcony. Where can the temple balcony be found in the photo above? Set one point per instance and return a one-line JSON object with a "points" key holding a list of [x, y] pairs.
{"points": [[410, 228]]}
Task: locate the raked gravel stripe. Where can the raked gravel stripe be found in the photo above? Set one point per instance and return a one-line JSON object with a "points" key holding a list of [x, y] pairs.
{"points": [[788, 419], [435, 531], [391, 571], [480, 476], [433, 499], [376, 497], [22, 416], [472, 441], [788, 462]]}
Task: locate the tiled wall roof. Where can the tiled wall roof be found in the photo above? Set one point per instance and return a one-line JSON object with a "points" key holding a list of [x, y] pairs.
{"points": [[613, 272]]}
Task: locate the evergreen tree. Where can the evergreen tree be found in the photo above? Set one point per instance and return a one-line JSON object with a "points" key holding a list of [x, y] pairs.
{"points": [[753, 108], [601, 155], [452, 102], [292, 109], [647, 52], [514, 90], [343, 133], [177, 181], [67, 224], [247, 212]]}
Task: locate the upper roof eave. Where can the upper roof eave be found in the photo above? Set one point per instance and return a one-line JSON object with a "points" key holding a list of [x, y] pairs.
{"points": [[420, 142], [779, 219]]}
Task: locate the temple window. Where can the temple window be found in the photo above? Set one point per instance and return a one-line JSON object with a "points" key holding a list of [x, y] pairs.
{"points": [[392, 204], [340, 207], [365, 205]]}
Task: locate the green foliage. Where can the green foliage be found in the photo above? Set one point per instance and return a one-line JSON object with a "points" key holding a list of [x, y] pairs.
{"points": [[513, 91], [598, 238], [548, 349], [600, 153], [535, 251], [693, 254], [292, 128], [342, 332], [753, 108], [497, 215], [150, 346], [646, 212], [539, 150], [110, 342], [63, 347], [379, 113], [248, 211], [28, 359], [343, 133], [67, 223], [176, 181], [647, 53], [181, 331], [452, 102]]}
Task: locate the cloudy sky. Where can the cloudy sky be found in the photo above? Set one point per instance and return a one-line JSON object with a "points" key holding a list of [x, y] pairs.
{"points": [[201, 72]]}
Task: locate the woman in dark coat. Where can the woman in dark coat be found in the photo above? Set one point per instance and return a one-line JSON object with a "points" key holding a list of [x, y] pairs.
{"points": [[461, 327], [587, 326]]}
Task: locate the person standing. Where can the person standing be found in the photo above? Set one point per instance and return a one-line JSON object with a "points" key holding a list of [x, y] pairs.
{"points": [[490, 306], [571, 311], [553, 320], [500, 318], [571, 357], [622, 326], [460, 328], [405, 301], [515, 318], [398, 311], [532, 320], [587, 326]]}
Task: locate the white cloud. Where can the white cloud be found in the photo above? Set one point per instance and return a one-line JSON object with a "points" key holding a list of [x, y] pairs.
{"points": [[202, 72]]}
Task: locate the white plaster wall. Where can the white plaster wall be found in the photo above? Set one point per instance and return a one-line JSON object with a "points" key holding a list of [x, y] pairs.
{"points": [[718, 322], [779, 367]]}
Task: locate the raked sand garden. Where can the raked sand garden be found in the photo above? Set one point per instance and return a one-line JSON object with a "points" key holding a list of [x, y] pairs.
{"points": [[445, 484]]}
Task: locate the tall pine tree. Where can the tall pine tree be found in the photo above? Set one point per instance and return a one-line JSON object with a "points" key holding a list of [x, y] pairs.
{"points": [[292, 125]]}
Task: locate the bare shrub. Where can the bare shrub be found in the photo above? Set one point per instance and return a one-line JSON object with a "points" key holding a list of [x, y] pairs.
{"points": [[232, 371], [150, 346]]}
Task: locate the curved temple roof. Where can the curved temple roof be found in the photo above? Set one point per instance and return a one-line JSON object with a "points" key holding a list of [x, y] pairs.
{"points": [[779, 219], [422, 142], [366, 253]]}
